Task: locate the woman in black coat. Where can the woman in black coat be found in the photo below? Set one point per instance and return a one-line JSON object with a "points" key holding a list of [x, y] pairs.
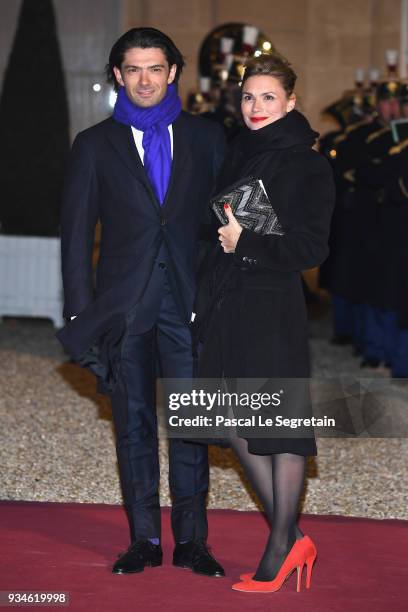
{"points": [[250, 309]]}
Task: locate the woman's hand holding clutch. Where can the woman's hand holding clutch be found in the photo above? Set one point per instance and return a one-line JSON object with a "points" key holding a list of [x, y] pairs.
{"points": [[229, 234]]}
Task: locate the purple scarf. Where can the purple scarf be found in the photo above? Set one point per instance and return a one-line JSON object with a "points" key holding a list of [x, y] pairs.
{"points": [[153, 122]]}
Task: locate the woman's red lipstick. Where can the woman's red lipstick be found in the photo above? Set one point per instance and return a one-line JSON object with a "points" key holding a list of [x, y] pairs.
{"points": [[256, 119]]}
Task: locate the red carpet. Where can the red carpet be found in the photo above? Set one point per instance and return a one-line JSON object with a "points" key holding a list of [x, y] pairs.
{"points": [[362, 564]]}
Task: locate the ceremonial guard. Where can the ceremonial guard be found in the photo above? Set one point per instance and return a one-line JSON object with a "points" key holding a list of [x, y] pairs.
{"points": [[368, 265], [347, 149]]}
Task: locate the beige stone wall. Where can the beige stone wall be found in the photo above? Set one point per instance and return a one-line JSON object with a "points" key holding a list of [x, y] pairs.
{"points": [[187, 22], [386, 20], [338, 41], [324, 39]]}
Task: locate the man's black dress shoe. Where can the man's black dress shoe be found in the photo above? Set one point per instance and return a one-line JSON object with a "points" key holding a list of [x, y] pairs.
{"points": [[195, 555], [140, 554]]}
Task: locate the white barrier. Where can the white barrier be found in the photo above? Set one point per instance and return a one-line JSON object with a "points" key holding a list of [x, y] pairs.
{"points": [[30, 278]]}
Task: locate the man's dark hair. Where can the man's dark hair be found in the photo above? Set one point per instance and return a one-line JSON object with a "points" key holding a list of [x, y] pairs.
{"points": [[144, 38]]}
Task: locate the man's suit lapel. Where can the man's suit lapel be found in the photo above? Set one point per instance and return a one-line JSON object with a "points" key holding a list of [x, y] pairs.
{"points": [[120, 137], [181, 151]]}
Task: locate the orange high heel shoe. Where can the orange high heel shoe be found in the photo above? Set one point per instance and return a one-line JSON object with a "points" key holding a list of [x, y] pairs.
{"points": [[311, 554], [299, 554]]}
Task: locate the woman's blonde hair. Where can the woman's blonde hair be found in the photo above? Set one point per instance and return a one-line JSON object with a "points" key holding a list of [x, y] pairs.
{"points": [[272, 65]]}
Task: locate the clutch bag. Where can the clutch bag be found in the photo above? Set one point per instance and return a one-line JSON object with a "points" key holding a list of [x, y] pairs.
{"points": [[251, 207]]}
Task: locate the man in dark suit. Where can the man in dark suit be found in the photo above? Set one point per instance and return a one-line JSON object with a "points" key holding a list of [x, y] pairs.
{"points": [[146, 174]]}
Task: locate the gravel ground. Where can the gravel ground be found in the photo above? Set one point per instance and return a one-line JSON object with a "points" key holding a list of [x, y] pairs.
{"points": [[57, 444]]}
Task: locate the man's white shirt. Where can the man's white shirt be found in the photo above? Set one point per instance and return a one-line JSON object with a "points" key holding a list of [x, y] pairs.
{"points": [[138, 138]]}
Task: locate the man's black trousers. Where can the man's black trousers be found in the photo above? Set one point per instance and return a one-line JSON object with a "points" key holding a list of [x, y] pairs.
{"points": [[157, 336]]}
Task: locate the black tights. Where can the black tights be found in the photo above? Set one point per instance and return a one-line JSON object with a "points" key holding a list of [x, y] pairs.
{"points": [[278, 482], [277, 479]]}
